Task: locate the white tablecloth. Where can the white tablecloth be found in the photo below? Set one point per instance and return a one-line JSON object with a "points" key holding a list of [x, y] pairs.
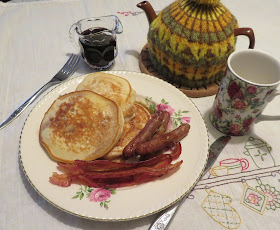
{"points": [[34, 44]]}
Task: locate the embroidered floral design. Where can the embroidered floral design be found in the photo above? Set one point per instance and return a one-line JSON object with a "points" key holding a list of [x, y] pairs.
{"points": [[135, 13], [253, 199], [125, 13], [98, 195], [272, 193]]}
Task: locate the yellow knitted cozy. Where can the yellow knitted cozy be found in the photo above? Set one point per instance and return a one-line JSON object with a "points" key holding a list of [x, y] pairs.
{"points": [[190, 40]]}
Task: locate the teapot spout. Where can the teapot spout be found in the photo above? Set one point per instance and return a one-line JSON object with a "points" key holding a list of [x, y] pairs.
{"points": [[148, 9]]}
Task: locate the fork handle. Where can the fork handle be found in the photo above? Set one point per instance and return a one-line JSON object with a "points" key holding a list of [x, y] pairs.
{"points": [[163, 220], [24, 105]]}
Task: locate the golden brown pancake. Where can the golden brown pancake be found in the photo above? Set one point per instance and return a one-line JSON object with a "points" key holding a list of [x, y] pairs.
{"points": [[130, 130], [81, 125], [113, 87]]}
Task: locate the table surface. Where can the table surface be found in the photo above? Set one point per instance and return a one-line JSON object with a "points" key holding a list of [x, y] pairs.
{"points": [[34, 44]]}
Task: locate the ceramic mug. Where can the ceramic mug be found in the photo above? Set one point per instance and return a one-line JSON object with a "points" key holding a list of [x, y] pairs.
{"points": [[250, 83], [219, 171], [235, 165]]}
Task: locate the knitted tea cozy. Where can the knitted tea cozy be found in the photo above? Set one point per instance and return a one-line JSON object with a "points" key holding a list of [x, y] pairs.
{"points": [[190, 40]]}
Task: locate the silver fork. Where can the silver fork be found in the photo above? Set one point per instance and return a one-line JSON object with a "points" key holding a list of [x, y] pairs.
{"points": [[66, 71]]}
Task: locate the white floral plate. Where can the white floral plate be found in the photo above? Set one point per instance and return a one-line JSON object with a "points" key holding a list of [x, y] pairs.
{"points": [[124, 203]]}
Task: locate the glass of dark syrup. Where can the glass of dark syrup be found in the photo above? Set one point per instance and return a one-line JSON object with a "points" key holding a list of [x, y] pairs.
{"points": [[96, 39]]}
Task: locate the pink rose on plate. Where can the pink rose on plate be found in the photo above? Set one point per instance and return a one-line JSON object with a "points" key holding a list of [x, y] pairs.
{"points": [[165, 107], [186, 120], [99, 195]]}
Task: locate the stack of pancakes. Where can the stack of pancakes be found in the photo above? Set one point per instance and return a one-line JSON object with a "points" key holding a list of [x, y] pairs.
{"points": [[97, 120]]}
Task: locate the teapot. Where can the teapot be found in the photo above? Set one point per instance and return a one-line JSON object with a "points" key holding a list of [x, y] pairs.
{"points": [[190, 40]]}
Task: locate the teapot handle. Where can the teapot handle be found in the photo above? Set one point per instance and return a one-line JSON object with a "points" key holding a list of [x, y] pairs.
{"points": [[247, 32]]}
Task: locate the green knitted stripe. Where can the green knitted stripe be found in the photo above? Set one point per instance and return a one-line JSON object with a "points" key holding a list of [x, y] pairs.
{"points": [[200, 37], [181, 80], [186, 57], [184, 66]]}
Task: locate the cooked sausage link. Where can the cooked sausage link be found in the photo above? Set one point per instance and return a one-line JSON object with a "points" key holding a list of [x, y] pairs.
{"points": [[145, 134], [164, 125], [162, 140]]}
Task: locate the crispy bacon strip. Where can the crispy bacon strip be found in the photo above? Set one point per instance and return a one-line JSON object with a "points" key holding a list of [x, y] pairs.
{"points": [[120, 178], [128, 181], [79, 167], [120, 182], [87, 181], [63, 180], [159, 170], [177, 150], [145, 134]]}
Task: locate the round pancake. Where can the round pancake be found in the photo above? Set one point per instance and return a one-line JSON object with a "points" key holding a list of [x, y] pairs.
{"points": [[113, 87], [130, 130], [81, 125]]}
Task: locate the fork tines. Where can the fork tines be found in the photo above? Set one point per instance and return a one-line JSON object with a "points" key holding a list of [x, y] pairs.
{"points": [[71, 64]]}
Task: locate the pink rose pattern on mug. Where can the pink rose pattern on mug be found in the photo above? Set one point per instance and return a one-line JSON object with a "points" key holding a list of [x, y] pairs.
{"points": [[237, 105]]}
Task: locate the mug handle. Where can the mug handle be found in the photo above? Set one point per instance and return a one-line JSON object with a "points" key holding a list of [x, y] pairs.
{"points": [[262, 117], [72, 33], [247, 32], [244, 164]]}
